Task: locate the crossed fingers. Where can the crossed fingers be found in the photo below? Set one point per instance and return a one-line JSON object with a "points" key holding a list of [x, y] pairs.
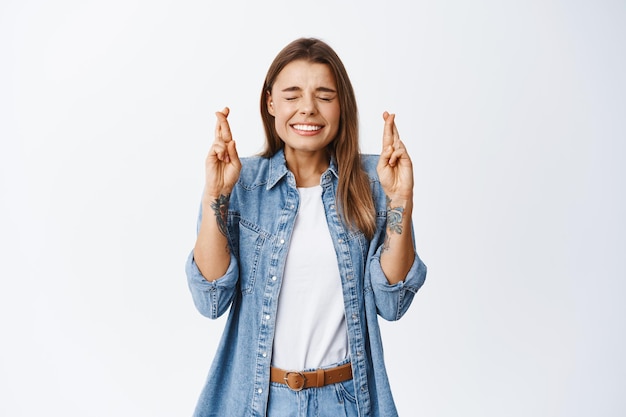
{"points": [[223, 136]]}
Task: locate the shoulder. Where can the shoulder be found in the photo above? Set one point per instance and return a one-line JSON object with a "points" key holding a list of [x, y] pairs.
{"points": [[369, 163], [253, 163], [254, 171]]}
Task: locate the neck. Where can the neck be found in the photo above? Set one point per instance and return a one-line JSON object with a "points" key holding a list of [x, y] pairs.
{"points": [[307, 167]]}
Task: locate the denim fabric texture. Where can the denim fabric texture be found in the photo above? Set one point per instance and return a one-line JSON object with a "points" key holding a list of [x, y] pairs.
{"points": [[336, 400], [262, 211]]}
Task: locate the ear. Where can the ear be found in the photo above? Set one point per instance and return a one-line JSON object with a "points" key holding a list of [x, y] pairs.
{"points": [[270, 103]]}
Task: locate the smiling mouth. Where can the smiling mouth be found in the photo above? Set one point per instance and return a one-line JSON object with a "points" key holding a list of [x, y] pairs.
{"points": [[307, 128]]}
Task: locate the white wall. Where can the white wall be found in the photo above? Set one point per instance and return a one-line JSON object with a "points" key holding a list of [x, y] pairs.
{"points": [[513, 111]]}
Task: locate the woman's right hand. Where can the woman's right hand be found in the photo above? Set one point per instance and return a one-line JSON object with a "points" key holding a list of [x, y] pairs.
{"points": [[212, 252], [222, 165]]}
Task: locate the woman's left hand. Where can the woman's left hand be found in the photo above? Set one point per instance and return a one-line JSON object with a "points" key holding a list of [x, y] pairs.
{"points": [[395, 169]]}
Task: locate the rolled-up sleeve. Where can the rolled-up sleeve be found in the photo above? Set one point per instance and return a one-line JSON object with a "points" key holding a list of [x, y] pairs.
{"points": [[213, 298], [392, 301]]}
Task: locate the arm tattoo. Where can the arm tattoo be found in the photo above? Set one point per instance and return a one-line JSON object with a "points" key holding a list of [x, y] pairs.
{"points": [[394, 222], [220, 208]]}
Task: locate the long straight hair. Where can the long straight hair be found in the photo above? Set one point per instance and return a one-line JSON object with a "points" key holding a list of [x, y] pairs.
{"points": [[354, 196]]}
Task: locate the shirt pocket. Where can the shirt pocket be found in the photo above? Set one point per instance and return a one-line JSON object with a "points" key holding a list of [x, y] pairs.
{"points": [[251, 241]]}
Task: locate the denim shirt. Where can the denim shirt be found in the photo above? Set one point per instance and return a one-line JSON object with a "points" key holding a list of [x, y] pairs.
{"points": [[262, 211]]}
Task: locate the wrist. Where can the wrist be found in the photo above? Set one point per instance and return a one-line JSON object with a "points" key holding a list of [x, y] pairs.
{"points": [[210, 200], [213, 195], [399, 200]]}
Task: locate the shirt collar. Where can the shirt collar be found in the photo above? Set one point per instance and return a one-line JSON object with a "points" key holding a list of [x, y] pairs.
{"points": [[278, 169]]}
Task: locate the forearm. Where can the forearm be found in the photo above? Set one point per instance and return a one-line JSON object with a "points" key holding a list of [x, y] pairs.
{"points": [[398, 252], [211, 252]]}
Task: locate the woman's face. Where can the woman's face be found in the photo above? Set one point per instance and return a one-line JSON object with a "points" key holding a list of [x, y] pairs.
{"points": [[305, 106]]}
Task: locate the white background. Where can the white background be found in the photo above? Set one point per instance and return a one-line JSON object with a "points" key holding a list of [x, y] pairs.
{"points": [[513, 111]]}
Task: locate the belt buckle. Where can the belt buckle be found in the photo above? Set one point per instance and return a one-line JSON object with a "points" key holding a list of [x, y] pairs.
{"points": [[296, 388]]}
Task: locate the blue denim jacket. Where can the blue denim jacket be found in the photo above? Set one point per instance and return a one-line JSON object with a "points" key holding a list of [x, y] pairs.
{"points": [[261, 215]]}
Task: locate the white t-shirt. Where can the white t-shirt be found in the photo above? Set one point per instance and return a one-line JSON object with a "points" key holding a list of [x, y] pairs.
{"points": [[311, 327]]}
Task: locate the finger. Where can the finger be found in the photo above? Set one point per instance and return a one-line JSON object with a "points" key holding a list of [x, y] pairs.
{"points": [[399, 153], [383, 160], [396, 135], [218, 127], [217, 134], [219, 150], [222, 129], [233, 156], [395, 156], [388, 129]]}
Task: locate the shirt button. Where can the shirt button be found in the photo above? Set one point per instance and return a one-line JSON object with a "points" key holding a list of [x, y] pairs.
{"points": [[259, 391], [332, 206], [274, 278], [267, 317], [264, 354], [340, 240], [354, 317], [282, 241], [292, 207]]}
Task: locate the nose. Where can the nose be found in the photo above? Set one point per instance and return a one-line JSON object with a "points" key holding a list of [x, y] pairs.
{"points": [[308, 106]]}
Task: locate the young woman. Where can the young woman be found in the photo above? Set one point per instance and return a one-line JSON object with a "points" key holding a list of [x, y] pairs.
{"points": [[306, 244]]}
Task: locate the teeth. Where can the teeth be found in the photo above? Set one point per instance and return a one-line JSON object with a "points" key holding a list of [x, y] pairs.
{"points": [[309, 128]]}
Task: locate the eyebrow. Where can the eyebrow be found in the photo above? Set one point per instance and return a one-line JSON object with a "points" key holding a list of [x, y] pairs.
{"points": [[319, 89]]}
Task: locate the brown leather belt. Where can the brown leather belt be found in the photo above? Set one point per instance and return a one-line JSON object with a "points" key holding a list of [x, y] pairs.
{"points": [[297, 381]]}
